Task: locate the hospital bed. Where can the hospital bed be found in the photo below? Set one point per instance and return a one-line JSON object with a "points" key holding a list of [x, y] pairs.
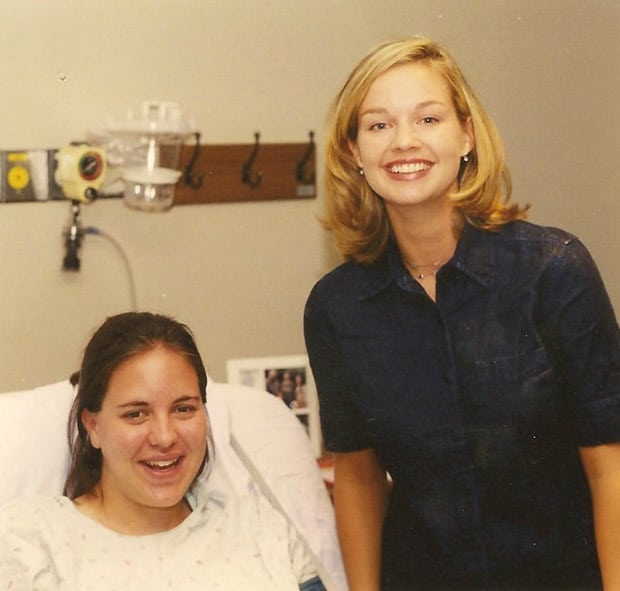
{"points": [[258, 444]]}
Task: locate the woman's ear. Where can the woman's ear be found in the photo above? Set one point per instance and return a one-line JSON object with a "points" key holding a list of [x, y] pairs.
{"points": [[89, 420], [470, 138], [355, 152]]}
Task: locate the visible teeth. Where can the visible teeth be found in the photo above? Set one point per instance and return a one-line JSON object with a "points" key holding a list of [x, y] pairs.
{"points": [[410, 167], [161, 464]]}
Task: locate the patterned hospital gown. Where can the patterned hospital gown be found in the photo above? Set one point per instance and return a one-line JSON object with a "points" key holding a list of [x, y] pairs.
{"points": [[225, 544]]}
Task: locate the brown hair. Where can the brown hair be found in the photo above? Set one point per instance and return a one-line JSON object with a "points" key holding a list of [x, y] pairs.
{"points": [[117, 339], [355, 214]]}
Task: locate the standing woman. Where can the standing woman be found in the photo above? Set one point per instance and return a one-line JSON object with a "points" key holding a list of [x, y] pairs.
{"points": [[470, 354]]}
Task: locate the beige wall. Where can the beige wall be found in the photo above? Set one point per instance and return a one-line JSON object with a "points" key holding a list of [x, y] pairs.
{"points": [[239, 274]]}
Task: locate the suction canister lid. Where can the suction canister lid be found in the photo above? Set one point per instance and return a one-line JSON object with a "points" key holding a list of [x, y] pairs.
{"points": [[156, 118]]}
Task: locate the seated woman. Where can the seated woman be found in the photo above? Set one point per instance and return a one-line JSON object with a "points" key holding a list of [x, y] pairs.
{"points": [[135, 515]]}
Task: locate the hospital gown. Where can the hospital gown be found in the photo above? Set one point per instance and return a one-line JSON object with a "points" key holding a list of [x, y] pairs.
{"points": [[225, 544]]}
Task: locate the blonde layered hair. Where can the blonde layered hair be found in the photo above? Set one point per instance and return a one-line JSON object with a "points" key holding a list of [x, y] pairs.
{"points": [[355, 214]]}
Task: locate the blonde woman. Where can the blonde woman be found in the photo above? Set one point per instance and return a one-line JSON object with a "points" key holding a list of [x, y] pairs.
{"points": [[468, 353]]}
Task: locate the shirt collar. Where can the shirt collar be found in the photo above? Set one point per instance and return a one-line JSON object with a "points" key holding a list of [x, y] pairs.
{"points": [[474, 257]]}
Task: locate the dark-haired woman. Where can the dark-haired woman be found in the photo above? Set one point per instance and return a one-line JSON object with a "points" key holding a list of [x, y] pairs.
{"points": [[136, 515]]}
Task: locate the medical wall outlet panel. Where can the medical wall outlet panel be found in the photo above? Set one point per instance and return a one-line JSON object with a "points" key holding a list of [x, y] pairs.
{"points": [[28, 175], [17, 178]]}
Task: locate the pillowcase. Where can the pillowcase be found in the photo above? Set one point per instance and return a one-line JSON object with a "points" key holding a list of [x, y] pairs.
{"points": [[34, 450]]}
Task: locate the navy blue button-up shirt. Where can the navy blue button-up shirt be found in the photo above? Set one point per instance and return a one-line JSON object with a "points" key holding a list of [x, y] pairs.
{"points": [[476, 404]]}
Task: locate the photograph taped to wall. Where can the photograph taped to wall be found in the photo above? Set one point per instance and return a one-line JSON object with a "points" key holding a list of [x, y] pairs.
{"points": [[288, 378]]}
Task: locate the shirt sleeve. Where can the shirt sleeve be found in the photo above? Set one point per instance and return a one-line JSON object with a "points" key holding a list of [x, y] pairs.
{"points": [[580, 331], [314, 584], [301, 559], [284, 554], [341, 423]]}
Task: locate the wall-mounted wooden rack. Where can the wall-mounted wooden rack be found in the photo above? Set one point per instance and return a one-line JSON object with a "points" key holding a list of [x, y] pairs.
{"points": [[225, 173], [274, 171]]}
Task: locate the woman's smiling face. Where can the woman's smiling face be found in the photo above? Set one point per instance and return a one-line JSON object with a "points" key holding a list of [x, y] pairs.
{"points": [[410, 141], [151, 430]]}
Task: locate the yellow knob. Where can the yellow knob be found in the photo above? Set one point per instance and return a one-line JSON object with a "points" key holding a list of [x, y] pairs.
{"points": [[18, 177]]}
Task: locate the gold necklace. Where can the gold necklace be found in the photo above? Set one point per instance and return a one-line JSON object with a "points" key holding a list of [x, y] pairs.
{"points": [[419, 275]]}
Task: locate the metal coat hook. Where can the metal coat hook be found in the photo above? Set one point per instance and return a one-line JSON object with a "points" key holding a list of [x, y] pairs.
{"points": [[303, 176], [248, 177], [189, 178]]}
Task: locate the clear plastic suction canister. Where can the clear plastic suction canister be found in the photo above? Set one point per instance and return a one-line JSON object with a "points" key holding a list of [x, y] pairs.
{"points": [[147, 147]]}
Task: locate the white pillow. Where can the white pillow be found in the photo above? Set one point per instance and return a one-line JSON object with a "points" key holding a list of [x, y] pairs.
{"points": [[34, 450], [276, 451]]}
